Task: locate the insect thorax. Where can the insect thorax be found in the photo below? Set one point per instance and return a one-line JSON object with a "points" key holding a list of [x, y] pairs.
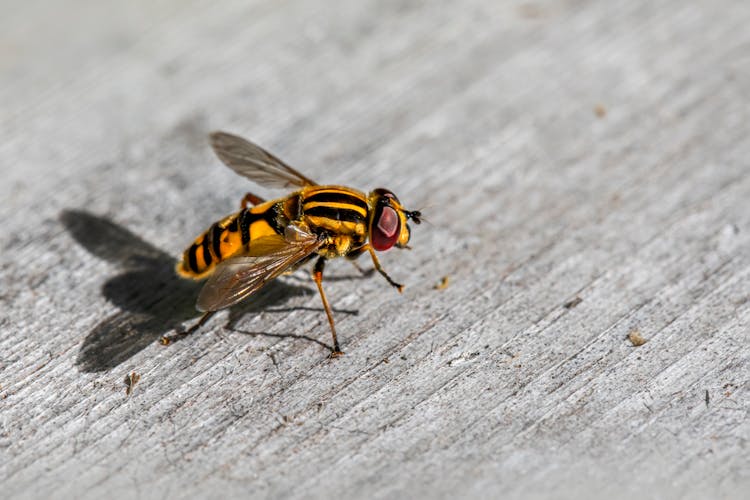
{"points": [[339, 213]]}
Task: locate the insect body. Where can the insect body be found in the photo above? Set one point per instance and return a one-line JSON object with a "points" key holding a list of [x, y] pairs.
{"points": [[244, 251]]}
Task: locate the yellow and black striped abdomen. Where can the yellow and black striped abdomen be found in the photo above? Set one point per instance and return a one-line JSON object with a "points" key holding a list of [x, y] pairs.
{"points": [[227, 238]]}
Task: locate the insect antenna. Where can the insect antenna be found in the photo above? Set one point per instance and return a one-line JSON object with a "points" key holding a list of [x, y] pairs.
{"points": [[417, 217]]}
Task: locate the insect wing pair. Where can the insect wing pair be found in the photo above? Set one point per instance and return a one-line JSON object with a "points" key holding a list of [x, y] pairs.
{"points": [[239, 277]]}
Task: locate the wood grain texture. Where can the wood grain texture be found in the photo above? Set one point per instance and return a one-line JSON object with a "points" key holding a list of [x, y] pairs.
{"points": [[585, 169]]}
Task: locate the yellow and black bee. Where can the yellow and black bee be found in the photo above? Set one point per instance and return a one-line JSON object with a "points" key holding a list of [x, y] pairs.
{"points": [[244, 251]]}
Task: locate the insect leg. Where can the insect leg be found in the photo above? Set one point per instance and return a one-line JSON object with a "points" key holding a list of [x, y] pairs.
{"points": [[167, 339], [250, 199], [318, 278], [380, 269], [364, 272], [351, 256], [206, 316]]}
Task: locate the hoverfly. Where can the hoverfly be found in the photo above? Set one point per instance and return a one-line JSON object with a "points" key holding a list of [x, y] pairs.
{"points": [[244, 251]]}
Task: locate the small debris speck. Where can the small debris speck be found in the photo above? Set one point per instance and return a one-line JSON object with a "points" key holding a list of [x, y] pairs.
{"points": [[530, 11], [635, 338], [130, 381], [572, 303], [600, 111], [443, 283]]}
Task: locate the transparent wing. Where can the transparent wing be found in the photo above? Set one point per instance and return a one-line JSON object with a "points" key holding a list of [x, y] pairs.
{"points": [[255, 163], [237, 278]]}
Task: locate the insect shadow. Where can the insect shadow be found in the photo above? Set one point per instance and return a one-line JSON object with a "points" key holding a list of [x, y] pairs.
{"points": [[152, 299]]}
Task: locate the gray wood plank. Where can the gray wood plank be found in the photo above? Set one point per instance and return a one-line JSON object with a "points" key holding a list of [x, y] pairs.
{"points": [[584, 169]]}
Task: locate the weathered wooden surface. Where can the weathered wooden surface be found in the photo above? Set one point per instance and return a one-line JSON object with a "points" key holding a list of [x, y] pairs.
{"points": [[562, 149]]}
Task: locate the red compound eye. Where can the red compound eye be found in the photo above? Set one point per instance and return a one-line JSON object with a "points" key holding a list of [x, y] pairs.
{"points": [[386, 228]]}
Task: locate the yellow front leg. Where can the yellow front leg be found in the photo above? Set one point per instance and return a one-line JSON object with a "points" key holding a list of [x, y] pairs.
{"points": [[380, 269]]}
